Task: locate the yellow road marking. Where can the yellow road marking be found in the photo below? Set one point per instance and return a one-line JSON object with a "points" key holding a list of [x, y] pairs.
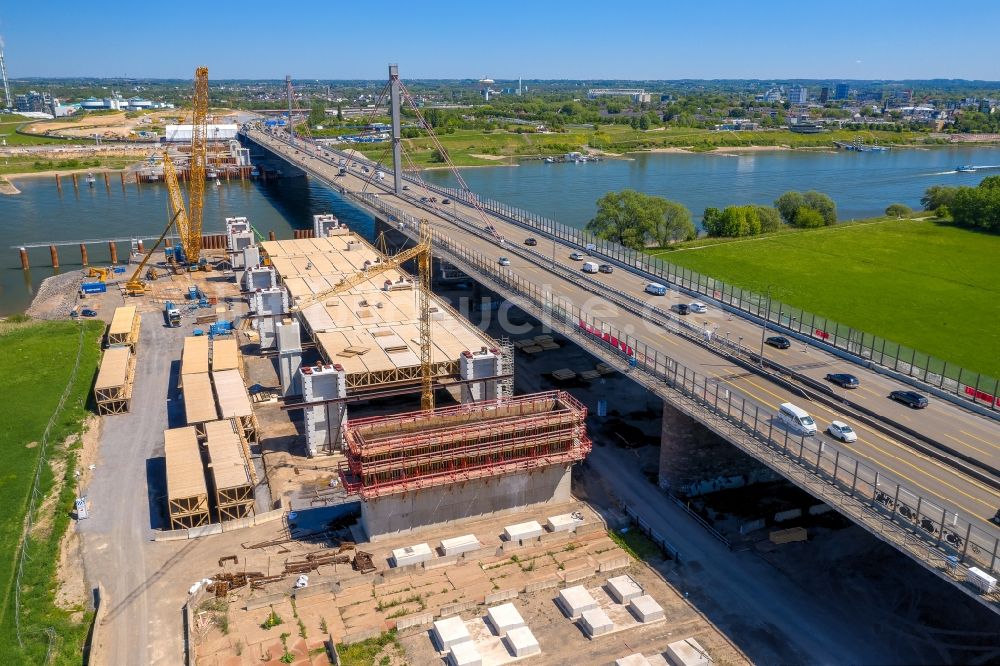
{"points": [[964, 443], [979, 438]]}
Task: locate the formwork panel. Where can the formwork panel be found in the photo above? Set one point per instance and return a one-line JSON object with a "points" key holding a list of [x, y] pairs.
{"points": [[225, 354], [187, 493], [124, 327], [199, 400], [194, 358], [231, 470], [113, 386], [396, 454]]}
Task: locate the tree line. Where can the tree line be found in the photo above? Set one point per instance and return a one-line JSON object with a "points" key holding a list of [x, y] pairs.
{"points": [[975, 207]]}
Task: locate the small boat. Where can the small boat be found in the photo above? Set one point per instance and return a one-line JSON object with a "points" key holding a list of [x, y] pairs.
{"points": [[549, 160], [965, 168]]}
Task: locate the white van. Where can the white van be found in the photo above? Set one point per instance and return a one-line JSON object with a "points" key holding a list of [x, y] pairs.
{"points": [[656, 289], [589, 267], [797, 418]]}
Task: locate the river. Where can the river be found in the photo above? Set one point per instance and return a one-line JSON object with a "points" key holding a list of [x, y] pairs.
{"points": [[862, 184]]}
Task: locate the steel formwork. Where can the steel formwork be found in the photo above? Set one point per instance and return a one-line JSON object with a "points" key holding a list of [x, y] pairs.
{"points": [[396, 454]]}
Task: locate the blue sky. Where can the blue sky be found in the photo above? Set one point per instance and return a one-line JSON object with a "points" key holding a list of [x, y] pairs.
{"points": [[470, 39]]}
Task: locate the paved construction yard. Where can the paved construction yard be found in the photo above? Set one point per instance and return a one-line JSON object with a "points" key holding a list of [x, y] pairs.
{"points": [[350, 607]]}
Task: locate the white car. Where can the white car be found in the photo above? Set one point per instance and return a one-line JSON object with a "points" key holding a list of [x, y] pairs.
{"points": [[698, 307], [577, 256], [842, 431], [504, 261]]}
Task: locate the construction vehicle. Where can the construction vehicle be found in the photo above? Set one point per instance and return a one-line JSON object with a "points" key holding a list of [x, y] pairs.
{"points": [[136, 286], [102, 274], [422, 253], [172, 314]]}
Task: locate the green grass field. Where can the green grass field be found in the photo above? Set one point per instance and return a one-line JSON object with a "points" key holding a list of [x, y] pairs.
{"points": [[927, 285], [8, 131], [30, 164], [36, 365]]}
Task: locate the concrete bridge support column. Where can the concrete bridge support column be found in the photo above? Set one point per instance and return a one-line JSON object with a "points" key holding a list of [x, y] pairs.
{"points": [[289, 357], [473, 365], [266, 304], [249, 258], [324, 423]]}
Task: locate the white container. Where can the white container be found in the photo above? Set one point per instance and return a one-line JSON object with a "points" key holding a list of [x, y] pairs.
{"points": [[522, 531], [981, 580], [590, 267], [412, 555]]}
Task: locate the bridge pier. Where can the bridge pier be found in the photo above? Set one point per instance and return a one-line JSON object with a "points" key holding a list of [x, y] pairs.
{"points": [[83, 254]]}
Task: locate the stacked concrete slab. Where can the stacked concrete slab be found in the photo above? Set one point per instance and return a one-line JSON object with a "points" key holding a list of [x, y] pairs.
{"points": [[576, 600]]}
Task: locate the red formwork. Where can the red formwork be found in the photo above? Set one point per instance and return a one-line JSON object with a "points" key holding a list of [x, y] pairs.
{"points": [[396, 454]]}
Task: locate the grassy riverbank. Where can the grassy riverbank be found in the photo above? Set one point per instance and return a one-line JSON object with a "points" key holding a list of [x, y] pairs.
{"points": [[480, 148], [28, 164], [37, 364], [928, 285], [9, 123]]}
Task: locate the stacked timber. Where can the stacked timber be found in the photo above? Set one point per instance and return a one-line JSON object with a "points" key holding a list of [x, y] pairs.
{"points": [[113, 387], [124, 328]]}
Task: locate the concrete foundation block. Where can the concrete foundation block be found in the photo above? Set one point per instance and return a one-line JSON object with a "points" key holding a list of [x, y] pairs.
{"points": [[623, 589], [503, 618], [565, 522], [415, 620], [636, 659], [450, 632], [460, 544], [502, 595], [645, 609], [595, 622], [465, 654], [688, 652], [415, 554], [574, 601], [791, 514], [522, 531], [521, 642]]}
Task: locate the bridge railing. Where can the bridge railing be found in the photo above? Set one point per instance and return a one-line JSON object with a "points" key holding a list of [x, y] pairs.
{"points": [[945, 376], [949, 378]]}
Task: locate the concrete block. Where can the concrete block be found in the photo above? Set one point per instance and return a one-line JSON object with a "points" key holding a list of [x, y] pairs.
{"points": [[465, 654], [820, 509], [521, 642], [555, 537], [362, 635], [544, 584], [172, 535], [791, 514], [204, 530], [564, 522], [325, 587], [502, 595], [587, 528], [523, 531], [238, 524], [613, 563], [636, 659], [595, 622], [458, 607], [460, 544], [575, 600], [268, 516], [646, 609], [266, 600], [623, 589], [450, 631], [415, 620], [688, 652], [439, 562], [416, 554], [503, 618], [576, 575]]}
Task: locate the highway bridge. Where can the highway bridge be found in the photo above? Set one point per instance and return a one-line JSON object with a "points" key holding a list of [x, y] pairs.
{"points": [[925, 481]]}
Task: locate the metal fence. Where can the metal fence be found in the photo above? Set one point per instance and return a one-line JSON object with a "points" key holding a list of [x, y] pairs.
{"points": [[949, 377]]}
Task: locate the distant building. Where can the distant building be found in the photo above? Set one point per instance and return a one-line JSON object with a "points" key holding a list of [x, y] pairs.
{"points": [[841, 91], [116, 103], [35, 101], [824, 94], [986, 106], [637, 95], [738, 125], [773, 95], [182, 133], [798, 94]]}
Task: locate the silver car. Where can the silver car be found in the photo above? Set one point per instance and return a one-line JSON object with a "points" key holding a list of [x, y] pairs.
{"points": [[842, 431]]}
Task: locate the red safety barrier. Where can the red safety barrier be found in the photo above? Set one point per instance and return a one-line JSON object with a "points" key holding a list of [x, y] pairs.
{"points": [[822, 335], [608, 338], [979, 395]]}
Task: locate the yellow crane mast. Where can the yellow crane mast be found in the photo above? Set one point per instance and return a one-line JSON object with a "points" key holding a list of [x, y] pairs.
{"points": [[422, 253], [199, 156]]}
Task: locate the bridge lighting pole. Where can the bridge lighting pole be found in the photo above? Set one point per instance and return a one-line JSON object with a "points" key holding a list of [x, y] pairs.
{"points": [[763, 331], [397, 153]]}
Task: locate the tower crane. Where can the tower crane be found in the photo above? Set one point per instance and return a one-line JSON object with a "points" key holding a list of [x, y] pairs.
{"points": [[199, 157], [422, 253]]}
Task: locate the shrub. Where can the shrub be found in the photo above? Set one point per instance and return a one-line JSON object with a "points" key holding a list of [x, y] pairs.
{"points": [[898, 210], [808, 218]]}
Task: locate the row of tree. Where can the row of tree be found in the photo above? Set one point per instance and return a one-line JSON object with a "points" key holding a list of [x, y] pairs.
{"points": [[638, 220], [976, 207]]}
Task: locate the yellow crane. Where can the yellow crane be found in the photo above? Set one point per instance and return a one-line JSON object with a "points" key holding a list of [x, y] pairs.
{"points": [[422, 253], [199, 156]]}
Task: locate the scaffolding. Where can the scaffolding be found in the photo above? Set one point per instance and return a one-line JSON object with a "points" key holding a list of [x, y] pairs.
{"points": [[187, 494], [233, 477], [234, 401], [406, 452], [199, 401], [113, 387], [124, 327]]}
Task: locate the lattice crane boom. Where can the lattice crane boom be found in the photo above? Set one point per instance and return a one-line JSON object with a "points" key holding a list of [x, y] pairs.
{"points": [[199, 157], [176, 201]]}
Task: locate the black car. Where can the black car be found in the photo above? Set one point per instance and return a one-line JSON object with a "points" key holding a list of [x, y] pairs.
{"points": [[446, 201], [778, 342], [909, 398], [843, 380], [605, 268], [531, 242], [681, 308], [996, 518], [88, 312]]}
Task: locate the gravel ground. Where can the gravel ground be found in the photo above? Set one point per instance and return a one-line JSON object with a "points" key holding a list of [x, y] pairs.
{"points": [[56, 296]]}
